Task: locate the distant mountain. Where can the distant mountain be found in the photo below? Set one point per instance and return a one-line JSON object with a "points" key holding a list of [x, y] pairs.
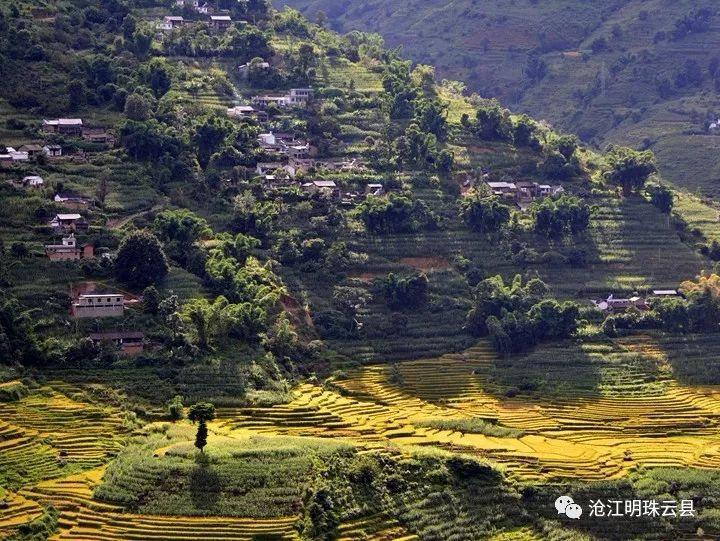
{"points": [[638, 72]]}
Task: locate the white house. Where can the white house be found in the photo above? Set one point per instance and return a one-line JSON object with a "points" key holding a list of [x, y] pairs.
{"points": [[33, 181], [99, 305], [300, 95], [268, 139]]}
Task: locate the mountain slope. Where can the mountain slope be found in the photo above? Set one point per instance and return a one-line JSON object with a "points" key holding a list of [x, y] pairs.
{"points": [[627, 71]]}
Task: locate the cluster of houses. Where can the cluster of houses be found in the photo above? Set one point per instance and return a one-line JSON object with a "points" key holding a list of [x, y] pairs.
{"points": [[614, 305], [68, 127], [523, 192], [285, 144]]}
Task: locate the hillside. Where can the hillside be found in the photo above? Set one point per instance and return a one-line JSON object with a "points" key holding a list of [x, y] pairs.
{"points": [[264, 281], [634, 72]]}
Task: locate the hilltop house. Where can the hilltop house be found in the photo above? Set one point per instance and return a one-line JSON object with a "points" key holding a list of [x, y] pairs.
{"points": [[127, 343], [52, 151], [13, 155], [72, 127], [98, 305], [69, 222], [69, 250]]}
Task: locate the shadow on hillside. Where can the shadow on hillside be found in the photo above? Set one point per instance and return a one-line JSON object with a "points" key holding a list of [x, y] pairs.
{"points": [[205, 486], [555, 369]]}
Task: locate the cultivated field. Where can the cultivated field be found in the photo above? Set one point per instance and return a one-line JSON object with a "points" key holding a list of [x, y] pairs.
{"points": [[592, 411]]}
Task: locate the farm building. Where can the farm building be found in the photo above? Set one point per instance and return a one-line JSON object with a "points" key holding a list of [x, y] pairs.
{"points": [[33, 181], [72, 127], [32, 150], [127, 343], [99, 305], [52, 151], [220, 22], [328, 188], [69, 250], [71, 200], [69, 222], [613, 305]]}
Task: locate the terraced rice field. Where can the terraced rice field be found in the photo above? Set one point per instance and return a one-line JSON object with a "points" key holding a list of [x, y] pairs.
{"points": [[646, 418], [85, 519], [621, 407]]}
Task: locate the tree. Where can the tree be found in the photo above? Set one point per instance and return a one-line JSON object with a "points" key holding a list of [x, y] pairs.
{"points": [[662, 198], [201, 413], [140, 260], [282, 339], [211, 133], [554, 319], [151, 300], [176, 410], [555, 218], [406, 292], [103, 187], [484, 214], [630, 168], [492, 122], [137, 107]]}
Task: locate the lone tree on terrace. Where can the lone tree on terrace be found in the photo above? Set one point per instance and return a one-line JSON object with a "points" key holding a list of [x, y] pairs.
{"points": [[202, 412]]}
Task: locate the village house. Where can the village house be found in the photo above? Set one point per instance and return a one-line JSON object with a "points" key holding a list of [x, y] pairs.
{"points": [[714, 127], [71, 200], [504, 190], [240, 111], [13, 155], [33, 181], [99, 137], [69, 222], [32, 150], [220, 22], [92, 305], [300, 95], [613, 305], [301, 151], [665, 293], [127, 342], [268, 140], [264, 101], [327, 188], [523, 191], [244, 69], [263, 168], [69, 250], [72, 127], [375, 189], [52, 151]]}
